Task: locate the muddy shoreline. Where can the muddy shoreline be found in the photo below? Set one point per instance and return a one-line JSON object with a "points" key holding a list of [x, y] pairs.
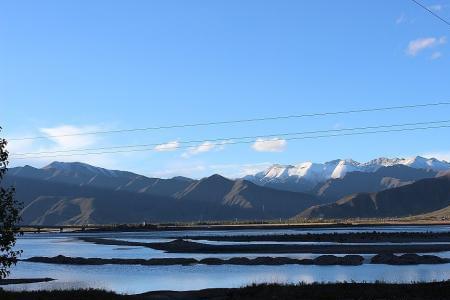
{"points": [[322, 260], [182, 246], [352, 260], [227, 227], [24, 280], [350, 237]]}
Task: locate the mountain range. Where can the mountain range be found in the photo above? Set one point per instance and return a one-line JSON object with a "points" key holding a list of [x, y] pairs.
{"points": [[358, 182], [85, 175], [421, 197], [305, 176], [78, 193]]}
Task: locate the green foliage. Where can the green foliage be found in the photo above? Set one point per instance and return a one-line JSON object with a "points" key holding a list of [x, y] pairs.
{"points": [[9, 217]]}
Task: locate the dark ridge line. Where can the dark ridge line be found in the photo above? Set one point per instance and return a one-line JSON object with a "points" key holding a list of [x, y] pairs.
{"points": [[350, 237], [24, 280], [351, 260], [323, 260], [182, 246]]}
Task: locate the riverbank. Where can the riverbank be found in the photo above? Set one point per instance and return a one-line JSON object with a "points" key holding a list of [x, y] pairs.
{"points": [[346, 237], [348, 291], [322, 260], [186, 246], [218, 226], [347, 260], [24, 280]]}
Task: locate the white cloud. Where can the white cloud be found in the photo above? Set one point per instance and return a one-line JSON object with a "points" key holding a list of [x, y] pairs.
{"points": [[205, 147], [418, 45], [269, 145], [221, 145], [436, 55], [59, 138], [67, 136], [170, 146]]}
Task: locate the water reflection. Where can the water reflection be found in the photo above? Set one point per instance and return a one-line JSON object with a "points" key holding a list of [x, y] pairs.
{"points": [[146, 278]]}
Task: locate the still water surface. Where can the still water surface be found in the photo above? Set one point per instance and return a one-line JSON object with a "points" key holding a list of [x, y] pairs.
{"points": [[138, 279]]}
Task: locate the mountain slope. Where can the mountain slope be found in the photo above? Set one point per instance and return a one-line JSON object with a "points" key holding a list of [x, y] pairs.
{"points": [[437, 215], [420, 197], [261, 202], [359, 182], [81, 174], [57, 203]]}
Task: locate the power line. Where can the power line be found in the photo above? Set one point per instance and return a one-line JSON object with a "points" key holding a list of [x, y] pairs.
{"points": [[376, 109], [227, 139], [431, 12], [249, 142]]}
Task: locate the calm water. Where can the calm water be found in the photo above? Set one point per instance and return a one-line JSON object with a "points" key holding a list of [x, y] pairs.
{"points": [[137, 279]]}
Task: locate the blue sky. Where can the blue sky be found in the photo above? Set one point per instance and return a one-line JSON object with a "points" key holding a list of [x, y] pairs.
{"points": [[74, 66]]}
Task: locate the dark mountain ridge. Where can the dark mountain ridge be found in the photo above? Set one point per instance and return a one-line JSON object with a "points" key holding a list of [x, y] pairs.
{"points": [[81, 174], [360, 182], [420, 197], [77, 193], [50, 202]]}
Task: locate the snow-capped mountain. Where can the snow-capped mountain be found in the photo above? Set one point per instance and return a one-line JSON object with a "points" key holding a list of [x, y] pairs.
{"points": [[417, 162], [306, 175]]}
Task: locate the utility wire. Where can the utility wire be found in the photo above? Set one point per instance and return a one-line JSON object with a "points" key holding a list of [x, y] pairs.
{"points": [[376, 109], [227, 139], [431, 12], [249, 142]]}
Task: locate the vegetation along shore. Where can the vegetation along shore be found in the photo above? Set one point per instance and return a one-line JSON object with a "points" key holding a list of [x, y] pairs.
{"points": [[319, 291]]}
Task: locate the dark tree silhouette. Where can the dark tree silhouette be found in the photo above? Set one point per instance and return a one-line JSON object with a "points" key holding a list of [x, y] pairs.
{"points": [[9, 217]]}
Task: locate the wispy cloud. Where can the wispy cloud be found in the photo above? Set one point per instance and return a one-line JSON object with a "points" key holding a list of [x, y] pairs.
{"points": [[401, 19], [269, 145], [436, 7], [404, 19], [418, 45], [436, 55], [238, 170], [251, 169], [59, 138], [67, 136], [19, 146], [204, 147], [188, 171], [199, 170], [167, 147]]}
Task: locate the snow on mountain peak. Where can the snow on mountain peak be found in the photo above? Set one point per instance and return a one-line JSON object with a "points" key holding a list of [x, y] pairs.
{"points": [[420, 162], [278, 171], [317, 172], [343, 167]]}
